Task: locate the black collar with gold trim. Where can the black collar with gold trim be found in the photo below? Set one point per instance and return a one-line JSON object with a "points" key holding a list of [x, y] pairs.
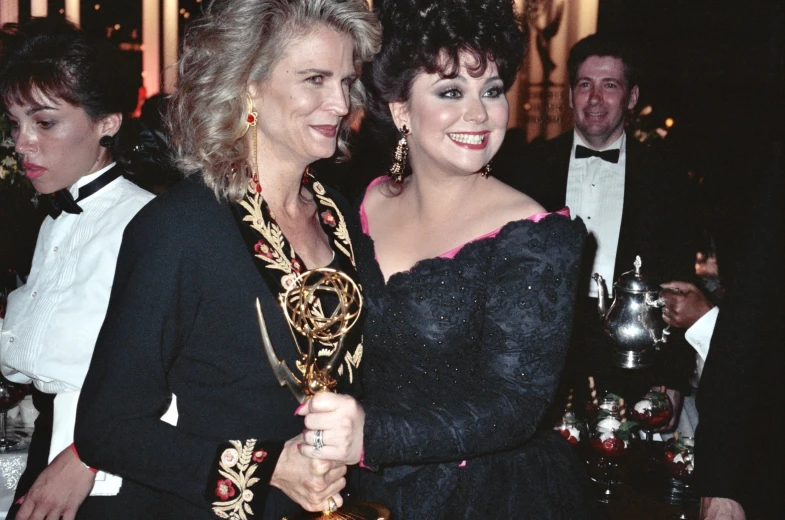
{"points": [[279, 265]]}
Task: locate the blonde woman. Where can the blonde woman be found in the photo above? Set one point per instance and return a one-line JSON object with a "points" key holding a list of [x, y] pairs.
{"points": [[265, 89]]}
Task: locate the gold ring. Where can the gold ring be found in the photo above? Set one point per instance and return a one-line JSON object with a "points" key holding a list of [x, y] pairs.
{"points": [[332, 507]]}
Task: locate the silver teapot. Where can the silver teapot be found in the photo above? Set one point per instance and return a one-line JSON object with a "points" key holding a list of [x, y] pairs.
{"points": [[634, 320]]}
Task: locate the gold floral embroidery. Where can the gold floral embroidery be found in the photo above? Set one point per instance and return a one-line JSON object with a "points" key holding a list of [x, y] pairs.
{"points": [[275, 253], [236, 466], [341, 231], [272, 253], [352, 360]]}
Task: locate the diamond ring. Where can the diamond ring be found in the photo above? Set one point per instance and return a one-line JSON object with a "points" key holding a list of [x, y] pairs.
{"points": [[318, 441]]}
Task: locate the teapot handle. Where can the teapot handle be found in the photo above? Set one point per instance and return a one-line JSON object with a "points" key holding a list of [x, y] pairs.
{"points": [[651, 302], [658, 303], [664, 338]]}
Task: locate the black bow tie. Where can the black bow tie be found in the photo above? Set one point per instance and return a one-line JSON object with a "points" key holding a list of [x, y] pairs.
{"points": [[612, 156], [62, 200]]}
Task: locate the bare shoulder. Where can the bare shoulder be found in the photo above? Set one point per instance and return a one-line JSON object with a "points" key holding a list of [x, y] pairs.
{"points": [[510, 204], [378, 196]]}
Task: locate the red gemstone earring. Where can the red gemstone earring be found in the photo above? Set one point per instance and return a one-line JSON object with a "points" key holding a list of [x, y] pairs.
{"points": [[250, 115]]}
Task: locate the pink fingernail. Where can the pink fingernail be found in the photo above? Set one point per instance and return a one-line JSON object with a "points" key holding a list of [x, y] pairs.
{"points": [[297, 411]]}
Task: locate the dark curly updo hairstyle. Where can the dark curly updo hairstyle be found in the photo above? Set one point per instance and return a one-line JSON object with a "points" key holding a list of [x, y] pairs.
{"points": [[428, 36]]}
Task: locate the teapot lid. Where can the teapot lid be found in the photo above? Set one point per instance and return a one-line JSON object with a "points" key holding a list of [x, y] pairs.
{"points": [[634, 281]]}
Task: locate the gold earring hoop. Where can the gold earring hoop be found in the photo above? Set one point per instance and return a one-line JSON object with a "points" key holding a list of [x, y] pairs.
{"points": [[486, 171], [251, 117], [399, 157]]}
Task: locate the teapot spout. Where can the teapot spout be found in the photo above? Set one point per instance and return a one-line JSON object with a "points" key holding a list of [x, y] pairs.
{"points": [[602, 295]]}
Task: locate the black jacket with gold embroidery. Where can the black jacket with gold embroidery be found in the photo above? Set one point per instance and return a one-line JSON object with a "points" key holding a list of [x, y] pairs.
{"points": [[182, 321]]}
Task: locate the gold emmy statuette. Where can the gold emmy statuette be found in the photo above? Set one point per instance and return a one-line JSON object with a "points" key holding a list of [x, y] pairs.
{"points": [[302, 308]]}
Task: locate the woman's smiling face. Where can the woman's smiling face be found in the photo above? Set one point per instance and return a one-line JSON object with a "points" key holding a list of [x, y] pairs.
{"points": [[302, 103], [457, 124]]}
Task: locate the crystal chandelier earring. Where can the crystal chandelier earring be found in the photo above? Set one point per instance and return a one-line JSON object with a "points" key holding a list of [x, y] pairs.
{"points": [[399, 157], [486, 170]]}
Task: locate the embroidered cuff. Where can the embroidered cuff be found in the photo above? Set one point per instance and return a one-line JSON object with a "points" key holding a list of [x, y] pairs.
{"points": [[240, 480], [73, 448]]}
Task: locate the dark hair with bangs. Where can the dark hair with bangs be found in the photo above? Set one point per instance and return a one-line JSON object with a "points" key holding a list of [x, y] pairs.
{"points": [[60, 61], [428, 36]]}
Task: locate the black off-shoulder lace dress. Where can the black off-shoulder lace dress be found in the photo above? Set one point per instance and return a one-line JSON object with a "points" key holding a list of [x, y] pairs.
{"points": [[462, 357]]}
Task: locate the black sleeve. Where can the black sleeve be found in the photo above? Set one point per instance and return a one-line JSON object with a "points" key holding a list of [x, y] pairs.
{"points": [[741, 389], [525, 333]]}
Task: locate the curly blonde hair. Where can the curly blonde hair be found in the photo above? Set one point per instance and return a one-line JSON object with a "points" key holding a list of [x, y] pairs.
{"points": [[237, 41]]}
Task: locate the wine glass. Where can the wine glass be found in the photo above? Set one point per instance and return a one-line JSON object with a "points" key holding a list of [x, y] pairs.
{"points": [[596, 406], [653, 411], [10, 395], [610, 438], [679, 460]]}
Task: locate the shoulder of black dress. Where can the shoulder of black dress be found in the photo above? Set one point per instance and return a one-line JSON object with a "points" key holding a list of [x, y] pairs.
{"points": [[554, 233]]}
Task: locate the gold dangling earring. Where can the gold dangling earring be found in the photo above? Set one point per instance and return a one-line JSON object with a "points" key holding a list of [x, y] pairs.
{"points": [[399, 157], [251, 117], [486, 171]]}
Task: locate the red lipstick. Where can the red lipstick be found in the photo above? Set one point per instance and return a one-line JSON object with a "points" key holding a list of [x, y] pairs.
{"points": [[329, 131], [470, 140], [32, 171]]}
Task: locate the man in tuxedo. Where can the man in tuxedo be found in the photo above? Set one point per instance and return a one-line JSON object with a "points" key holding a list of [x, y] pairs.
{"points": [[633, 202]]}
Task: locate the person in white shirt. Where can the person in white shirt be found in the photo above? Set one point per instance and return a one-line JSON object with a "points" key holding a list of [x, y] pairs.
{"points": [[65, 108], [686, 307]]}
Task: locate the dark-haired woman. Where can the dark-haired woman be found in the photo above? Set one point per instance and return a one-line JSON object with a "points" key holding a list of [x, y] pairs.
{"points": [[469, 286], [65, 110]]}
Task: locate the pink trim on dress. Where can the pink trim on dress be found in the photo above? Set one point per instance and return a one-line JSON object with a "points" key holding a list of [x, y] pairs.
{"points": [[451, 253]]}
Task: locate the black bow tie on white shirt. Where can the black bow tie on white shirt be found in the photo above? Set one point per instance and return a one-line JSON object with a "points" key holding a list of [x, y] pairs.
{"points": [[612, 156], [62, 200]]}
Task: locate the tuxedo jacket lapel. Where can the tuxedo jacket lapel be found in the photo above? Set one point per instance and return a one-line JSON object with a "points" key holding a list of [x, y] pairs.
{"points": [[625, 253]]}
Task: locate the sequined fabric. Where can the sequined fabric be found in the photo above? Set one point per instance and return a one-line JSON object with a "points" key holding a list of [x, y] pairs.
{"points": [[462, 358]]}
